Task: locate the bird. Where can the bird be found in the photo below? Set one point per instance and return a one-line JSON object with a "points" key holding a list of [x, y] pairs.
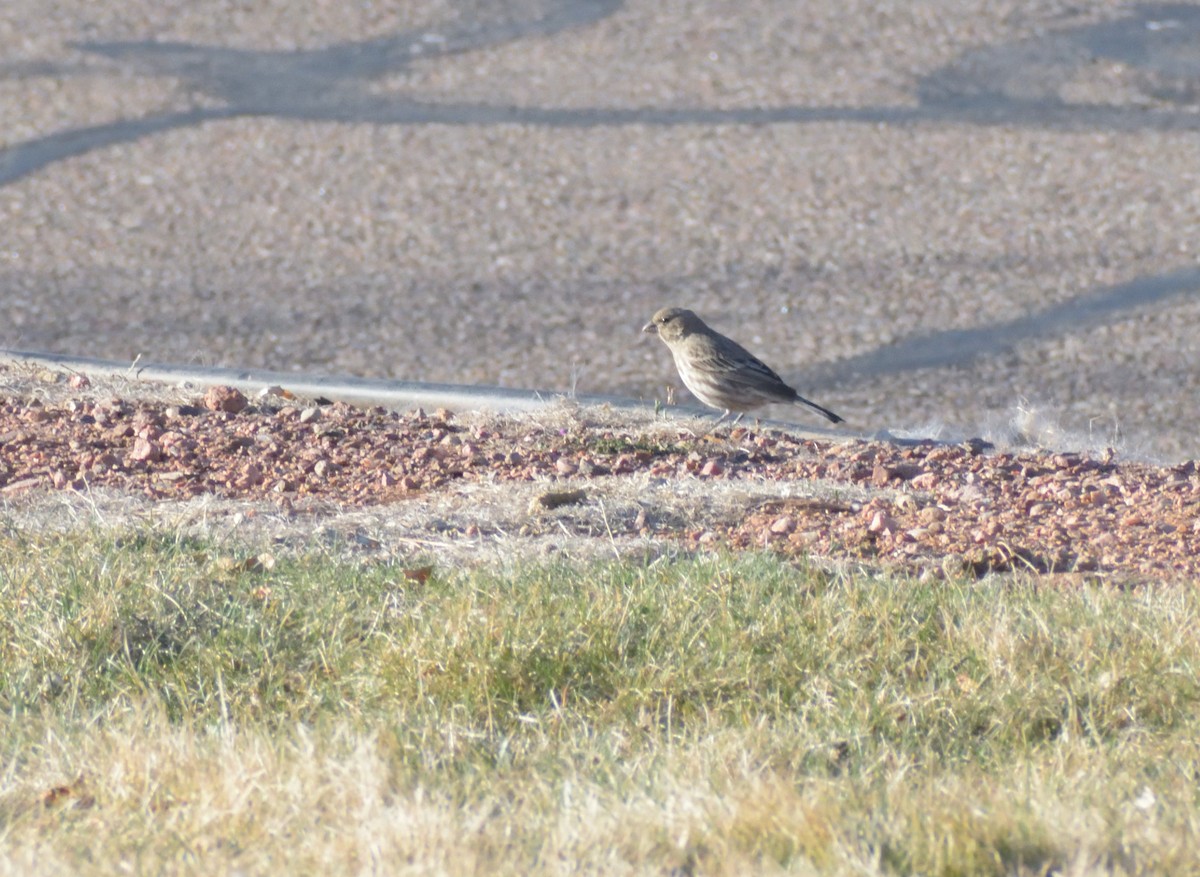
{"points": [[720, 372]]}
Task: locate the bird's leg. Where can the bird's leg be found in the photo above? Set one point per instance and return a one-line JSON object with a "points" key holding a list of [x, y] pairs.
{"points": [[737, 419], [722, 417]]}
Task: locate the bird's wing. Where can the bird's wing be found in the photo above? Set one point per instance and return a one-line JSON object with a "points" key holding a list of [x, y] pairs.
{"points": [[744, 369]]}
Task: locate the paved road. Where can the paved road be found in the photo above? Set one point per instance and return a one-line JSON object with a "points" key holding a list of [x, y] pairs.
{"points": [[927, 214]]}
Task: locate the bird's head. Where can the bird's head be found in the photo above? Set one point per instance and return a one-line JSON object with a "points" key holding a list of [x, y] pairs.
{"points": [[672, 324]]}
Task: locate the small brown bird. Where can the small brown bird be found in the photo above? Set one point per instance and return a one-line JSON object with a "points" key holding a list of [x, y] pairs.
{"points": [[720, 372]]}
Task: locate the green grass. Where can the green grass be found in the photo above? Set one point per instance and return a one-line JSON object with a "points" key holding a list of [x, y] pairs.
{"points": [[715, 715]]}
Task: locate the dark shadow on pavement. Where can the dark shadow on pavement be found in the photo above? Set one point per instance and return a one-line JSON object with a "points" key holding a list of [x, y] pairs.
{"points": [[961, 347], [1015, 84]]}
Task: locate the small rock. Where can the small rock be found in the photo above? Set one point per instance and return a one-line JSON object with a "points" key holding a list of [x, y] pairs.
{"points": [[145, 449], [711, 468], [925, 481], [929, 514], [249, 476], [783, 525], [228, 399], [882, 523]]}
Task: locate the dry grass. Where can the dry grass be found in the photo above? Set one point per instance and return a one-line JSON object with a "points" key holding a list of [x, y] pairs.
{"points": [[168, 710]]}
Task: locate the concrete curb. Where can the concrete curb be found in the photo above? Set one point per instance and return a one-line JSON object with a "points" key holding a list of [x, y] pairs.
{"points": [[399, 395]]}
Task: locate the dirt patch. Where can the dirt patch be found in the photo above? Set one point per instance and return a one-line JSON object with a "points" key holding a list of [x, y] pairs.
{"points": [[487, 484]]}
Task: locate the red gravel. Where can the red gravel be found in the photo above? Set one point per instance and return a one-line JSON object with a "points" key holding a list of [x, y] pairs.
{"points": [[954, 508]]}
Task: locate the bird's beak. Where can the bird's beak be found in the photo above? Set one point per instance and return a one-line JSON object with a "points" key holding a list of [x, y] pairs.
{"points": [[650, 329]]}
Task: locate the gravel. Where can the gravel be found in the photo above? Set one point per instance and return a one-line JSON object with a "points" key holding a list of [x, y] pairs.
{"points": [[486, 485]]}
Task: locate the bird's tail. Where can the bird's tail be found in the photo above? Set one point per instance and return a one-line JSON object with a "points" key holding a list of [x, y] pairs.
{"points": [[833, 418]]}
